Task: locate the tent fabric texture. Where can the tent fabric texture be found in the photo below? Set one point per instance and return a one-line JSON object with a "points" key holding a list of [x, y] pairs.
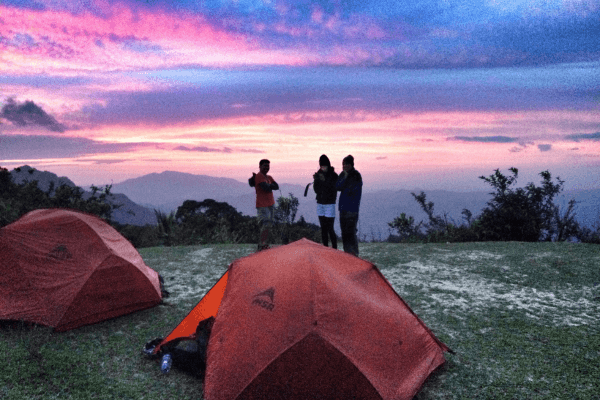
{"points": [[65, 269], [306, 321]]}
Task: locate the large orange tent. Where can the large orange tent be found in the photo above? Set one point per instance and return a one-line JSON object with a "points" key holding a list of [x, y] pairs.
{"points": [[65, 269], [305, 321]]}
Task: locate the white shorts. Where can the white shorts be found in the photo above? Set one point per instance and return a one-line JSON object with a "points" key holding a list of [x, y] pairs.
{"points": [[326, 210]]}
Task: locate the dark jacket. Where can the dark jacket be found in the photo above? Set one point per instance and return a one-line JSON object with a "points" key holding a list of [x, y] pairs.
{"points": [[324, 186], [350, 188]]}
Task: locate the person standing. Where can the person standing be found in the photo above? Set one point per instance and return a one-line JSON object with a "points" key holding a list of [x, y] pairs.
{"points": [[265, 202], [324, 185], [349, 184]]}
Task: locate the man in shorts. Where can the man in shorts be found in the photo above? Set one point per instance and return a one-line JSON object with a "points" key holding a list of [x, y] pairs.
{"points": [[265, 202]]}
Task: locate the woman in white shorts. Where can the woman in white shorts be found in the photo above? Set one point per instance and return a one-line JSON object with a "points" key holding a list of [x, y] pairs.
{"points": [[324, 186]]}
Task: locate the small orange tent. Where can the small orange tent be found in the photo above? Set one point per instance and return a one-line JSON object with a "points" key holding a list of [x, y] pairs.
{"points": [[65, 269], [306, 321]]}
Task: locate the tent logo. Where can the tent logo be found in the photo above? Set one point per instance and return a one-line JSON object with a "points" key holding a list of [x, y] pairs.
{"points": [[265, 299], [60, 252]]}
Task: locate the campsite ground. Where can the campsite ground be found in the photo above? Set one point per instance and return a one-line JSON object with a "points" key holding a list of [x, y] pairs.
{"points": [[522, 319]]}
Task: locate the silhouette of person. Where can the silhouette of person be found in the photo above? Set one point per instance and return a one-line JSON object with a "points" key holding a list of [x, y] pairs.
{"points": [[349, 184], [265, 202], [324, 186]]}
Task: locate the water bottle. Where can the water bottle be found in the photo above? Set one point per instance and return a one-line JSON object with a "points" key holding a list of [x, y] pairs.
{"points": [[165, 365]]}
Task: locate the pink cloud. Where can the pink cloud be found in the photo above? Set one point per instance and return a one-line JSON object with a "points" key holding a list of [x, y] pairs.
{"points": [[60, 41]]}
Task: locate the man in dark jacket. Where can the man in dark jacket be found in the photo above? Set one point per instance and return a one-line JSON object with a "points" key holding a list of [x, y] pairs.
{"points": [[324, 185], [349, 184]]}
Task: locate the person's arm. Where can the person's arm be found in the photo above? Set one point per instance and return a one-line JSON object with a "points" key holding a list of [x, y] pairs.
{"points": [[354, 183], [317, 182], [269, 187], [265, 186], [341, 181]]}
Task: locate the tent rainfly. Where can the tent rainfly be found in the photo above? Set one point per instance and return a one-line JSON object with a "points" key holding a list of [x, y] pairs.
{"points": [[304, 321], [65, 269]]}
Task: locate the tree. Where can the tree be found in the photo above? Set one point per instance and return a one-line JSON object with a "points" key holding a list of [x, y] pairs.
{"points": [[8, 208], [165, 226], [286, 209], [211, 221], [17, 200], [564, 225], [406, 227], [522, 214], [285, 214], [437, 225]]}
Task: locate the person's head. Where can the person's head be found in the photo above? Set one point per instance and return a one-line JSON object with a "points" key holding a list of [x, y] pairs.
{"points": [[264, 166], [348, 163], [324, 163]]}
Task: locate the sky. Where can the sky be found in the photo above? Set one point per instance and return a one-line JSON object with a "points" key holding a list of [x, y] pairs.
{"points": [[425, 94]]}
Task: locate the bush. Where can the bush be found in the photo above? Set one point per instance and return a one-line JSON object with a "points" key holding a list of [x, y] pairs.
{"points": [[18, 200], [522, 214], [587, 235]]}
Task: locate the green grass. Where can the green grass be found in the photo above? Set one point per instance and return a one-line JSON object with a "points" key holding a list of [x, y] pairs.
{"points": [[522, 319]]}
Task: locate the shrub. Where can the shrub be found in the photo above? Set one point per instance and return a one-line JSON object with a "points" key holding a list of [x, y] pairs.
{"points": [[523, 214]]}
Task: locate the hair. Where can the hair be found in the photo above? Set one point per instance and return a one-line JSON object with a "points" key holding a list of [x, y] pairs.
{"points": [[324, 160], [264, 161], [348, 160]]}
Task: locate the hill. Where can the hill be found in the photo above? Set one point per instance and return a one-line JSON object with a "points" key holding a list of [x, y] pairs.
{"points": [[127, 213], [167, 190]]}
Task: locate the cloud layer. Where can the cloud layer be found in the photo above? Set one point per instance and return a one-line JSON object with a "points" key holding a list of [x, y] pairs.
{"points": [[426, 85], [29, 114]]}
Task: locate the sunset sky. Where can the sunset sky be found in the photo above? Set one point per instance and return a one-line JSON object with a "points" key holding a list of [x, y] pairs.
{"points": [[424, 94]]}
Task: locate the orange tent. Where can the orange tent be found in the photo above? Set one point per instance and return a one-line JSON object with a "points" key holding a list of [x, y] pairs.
{"points": [[65, 269], [306, 321]]}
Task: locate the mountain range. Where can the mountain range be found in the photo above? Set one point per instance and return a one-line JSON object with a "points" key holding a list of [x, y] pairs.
{"points": [[165, 191]]}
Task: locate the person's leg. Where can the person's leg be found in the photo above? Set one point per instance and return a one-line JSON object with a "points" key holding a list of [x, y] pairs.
{"points": [[348, 223], [270, 220], [264, 236], [324, 230], [264, 222], [331, 232], [346, 232], [354, 237]]}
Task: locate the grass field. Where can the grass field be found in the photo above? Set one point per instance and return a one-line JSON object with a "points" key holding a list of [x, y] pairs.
{"points": [[522, 318]]}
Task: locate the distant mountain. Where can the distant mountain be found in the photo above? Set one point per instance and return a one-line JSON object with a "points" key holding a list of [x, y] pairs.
{"points": [[27, 174], [128, 212], [168, 190], [587, 210], [379, 208]]}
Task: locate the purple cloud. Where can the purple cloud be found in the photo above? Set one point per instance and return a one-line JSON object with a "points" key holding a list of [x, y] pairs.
{"points": [[584, 136], [14, 147], [29, 114], [485, 139], [203, 149]]}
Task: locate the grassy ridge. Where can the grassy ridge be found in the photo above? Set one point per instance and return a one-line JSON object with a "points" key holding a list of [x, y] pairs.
{"points": [[521, 317]]}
